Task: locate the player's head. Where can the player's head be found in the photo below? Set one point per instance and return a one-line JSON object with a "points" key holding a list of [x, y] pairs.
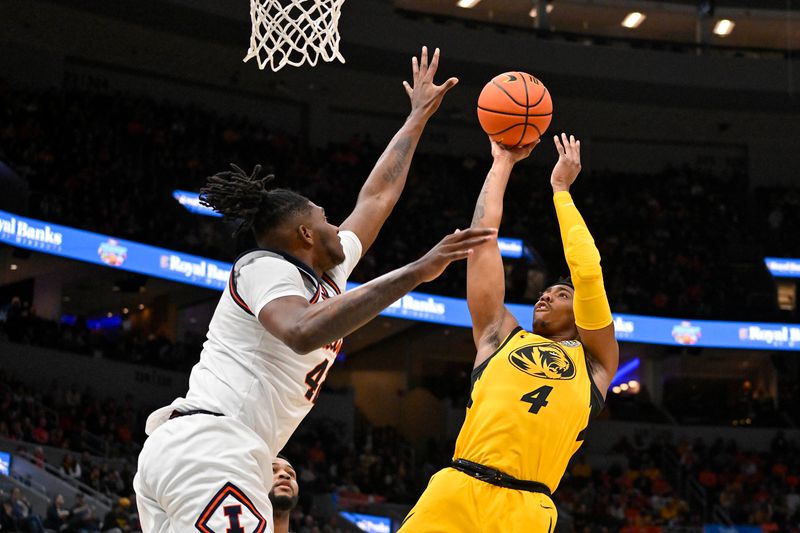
{"points": [[279, 218], [285, 492], [553, 313]]}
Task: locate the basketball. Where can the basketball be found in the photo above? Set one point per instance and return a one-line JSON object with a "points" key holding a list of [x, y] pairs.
{"points": [[515, 108]]}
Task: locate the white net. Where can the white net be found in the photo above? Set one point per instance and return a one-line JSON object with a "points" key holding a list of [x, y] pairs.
{"points": [[294, 32]]}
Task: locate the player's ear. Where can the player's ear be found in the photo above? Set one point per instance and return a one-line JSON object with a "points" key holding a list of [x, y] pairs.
{"points": [[305, 234]]}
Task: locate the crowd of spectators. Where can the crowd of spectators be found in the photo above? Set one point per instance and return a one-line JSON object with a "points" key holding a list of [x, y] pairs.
{"points": [[677, 242], [659, 482], [780, 210], [17, 514], [650, 482], [77, 421], [20, 323]]}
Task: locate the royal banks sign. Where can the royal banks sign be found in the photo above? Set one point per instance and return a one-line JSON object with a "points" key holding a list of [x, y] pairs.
{"points": [[122, 254]]}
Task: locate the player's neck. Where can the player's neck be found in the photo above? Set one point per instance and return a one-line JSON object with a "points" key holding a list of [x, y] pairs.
{"points": [[304, 255], [555, 336], [281, 519]]}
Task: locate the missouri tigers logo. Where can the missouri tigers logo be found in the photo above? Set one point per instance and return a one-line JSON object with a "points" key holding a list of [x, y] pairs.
{"points": [[548, 361]]}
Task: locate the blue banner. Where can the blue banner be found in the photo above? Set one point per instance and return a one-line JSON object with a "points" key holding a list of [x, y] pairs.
{"points": [[718, 528], [5, 464], [369, 523], [111, 252], [203, 272], [512, 248], [783, 267], [191, 202]]}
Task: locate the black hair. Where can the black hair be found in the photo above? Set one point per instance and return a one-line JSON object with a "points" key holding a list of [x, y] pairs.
{"points": [[563, 281], [281, 456], [237, 196]]}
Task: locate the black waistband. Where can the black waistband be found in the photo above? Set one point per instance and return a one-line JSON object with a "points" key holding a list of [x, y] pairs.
{"points": [[496, 477], [178, 414]]}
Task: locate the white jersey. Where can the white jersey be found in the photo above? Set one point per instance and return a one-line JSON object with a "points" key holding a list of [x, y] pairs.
{"points": [[246, 373]]}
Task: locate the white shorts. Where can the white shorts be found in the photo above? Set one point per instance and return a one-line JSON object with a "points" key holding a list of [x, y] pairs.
{"points": [[204, 473]]}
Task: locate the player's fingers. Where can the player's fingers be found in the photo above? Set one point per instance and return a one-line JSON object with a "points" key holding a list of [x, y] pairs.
{"points": [[471, 243], [423, 60], [415, 68], [472, 233], [409, 90], [565, 143], [578, 150], [458, 255], [573, 147], [449, 84], [434, 65], [559, 148]]}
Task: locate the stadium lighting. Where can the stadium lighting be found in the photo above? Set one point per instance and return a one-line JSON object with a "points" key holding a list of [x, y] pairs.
{"points": [[467, 4], [125, 310], [141, 307], [633, 19], [616, 389], [13, 266], [724, 27], [626, 369], [624, 387], [533, 12]]}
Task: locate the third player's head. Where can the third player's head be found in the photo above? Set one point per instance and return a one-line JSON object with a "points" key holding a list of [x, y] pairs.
{"points": [[285, 492], [279, 218], [553, 315]]}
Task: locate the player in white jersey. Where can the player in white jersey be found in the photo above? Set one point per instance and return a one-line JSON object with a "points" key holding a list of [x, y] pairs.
{"points": [[207, 464]]}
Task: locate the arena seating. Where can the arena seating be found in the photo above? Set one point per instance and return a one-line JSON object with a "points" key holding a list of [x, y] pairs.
{"points": [[678, 242]]}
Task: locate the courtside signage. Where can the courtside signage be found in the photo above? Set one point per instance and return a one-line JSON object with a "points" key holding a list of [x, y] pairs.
{"points": [[112, 252], [203, 272], [512, 248], [369, 523], [5, 464], [783, 267], [191, 202]]}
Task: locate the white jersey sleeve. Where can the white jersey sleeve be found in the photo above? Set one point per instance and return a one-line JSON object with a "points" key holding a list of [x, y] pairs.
{"points": [[267, 278]]}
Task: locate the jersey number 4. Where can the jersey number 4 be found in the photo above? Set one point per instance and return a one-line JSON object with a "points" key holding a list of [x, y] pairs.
{"points": [[314, 380], [537, 398]]}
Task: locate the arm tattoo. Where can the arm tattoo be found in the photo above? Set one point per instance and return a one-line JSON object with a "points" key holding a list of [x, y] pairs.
{"points": [[400, 154], [480, 207]]}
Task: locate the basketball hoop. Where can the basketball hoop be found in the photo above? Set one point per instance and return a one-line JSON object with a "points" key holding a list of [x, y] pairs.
{"points": [[294, 32]]}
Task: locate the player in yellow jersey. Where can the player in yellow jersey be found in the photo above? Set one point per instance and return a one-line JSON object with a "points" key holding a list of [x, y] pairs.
{"points": [[533, 393]]}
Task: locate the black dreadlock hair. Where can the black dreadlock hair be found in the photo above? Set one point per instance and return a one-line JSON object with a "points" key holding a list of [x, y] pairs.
{"points": [[237, 196]]}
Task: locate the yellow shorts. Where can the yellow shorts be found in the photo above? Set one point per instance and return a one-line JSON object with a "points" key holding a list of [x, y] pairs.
{"points": [[455, 502]]}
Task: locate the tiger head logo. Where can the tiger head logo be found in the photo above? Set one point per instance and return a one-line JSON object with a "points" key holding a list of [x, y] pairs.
{"points": [[548, 361]]}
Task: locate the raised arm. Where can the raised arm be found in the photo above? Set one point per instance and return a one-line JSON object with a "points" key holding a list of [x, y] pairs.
{"points": [[592, 310], [486, 289], [305, 327], [382, 189]]}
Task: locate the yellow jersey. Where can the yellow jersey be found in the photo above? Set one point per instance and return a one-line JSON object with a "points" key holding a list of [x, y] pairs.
{"points": [[530, 404]]}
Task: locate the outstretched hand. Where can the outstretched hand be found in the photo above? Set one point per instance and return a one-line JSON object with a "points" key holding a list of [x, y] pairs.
{"points": [[569, 162], [458, 245], [424, 94], [513, 154]]}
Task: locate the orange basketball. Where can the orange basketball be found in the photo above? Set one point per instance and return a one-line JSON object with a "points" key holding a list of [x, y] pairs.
{"points": [[515, 108]]}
